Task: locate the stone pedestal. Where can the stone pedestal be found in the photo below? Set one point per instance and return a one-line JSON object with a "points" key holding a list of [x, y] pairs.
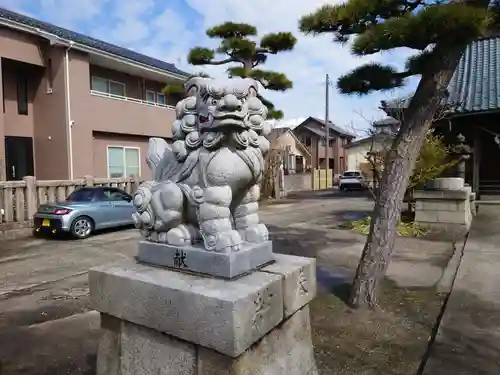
{"points": [[161, 321], [446, 183], [444, 209]]}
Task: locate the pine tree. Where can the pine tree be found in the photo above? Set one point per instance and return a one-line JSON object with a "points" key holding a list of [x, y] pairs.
{"points": [[439, 31], [237, 47]]}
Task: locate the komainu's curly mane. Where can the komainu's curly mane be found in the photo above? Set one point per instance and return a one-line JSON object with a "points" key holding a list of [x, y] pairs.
{"points": [[220, 138]]}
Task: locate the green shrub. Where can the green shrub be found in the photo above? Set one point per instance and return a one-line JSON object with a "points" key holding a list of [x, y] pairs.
{"points": [[410, 229]]}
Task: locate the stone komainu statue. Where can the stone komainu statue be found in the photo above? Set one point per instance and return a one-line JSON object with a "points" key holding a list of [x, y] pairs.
{"points": [[205, 186]]}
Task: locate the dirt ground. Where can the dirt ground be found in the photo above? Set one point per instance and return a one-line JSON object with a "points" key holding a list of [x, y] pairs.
{"points": [[389, 341], [47, 326]]}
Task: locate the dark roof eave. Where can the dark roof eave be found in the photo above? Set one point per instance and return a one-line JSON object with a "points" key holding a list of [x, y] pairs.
{"points": [[82, 42], [331, 126], [364, 140], [457, 113]]}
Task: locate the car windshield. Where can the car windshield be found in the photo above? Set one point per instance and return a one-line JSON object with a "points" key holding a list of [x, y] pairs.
{"points": [[81, 195], [351, 174]]}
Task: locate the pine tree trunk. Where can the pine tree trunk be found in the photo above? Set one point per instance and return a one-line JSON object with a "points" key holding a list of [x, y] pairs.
{"points": [[395, 177]]}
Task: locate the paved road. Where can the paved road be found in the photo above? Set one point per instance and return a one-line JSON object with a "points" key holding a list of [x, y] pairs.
{"points": [[468, 341], [44, 291], [29, 264]]}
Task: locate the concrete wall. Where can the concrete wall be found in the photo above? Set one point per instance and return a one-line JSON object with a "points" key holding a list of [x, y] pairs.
{"points": [[357, 151], [298, 182]]}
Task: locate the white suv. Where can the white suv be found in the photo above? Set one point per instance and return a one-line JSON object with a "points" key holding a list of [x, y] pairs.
{"points": [[352, 180]]}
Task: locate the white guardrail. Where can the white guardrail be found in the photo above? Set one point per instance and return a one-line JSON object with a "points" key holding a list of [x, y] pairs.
{"points": [[128, 99]]}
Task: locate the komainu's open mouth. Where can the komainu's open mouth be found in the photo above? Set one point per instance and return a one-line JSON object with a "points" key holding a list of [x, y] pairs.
{"points": [[229, 119], [203, 119]]}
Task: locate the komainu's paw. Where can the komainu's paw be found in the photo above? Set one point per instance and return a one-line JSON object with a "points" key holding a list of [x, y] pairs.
{"points": [[182, 235], [255, 234], [223, 242]]}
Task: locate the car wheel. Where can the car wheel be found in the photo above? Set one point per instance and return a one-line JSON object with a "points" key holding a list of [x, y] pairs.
{"points": [[341, 187], [82, 227]]}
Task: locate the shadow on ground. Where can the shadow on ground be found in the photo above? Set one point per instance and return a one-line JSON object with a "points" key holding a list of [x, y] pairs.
{"points": [[308, 242], [66, 346], [328, 194], [303, 241], [65, 236]]}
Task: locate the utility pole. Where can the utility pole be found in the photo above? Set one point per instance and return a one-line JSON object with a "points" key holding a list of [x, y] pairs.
{"points": [[327, 128]]}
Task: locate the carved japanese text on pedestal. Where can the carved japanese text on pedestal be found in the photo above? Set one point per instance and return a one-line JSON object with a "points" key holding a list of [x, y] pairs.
{"points": [[205, 186], [180, 259]]}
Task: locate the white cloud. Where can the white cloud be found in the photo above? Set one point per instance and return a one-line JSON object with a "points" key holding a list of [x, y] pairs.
{"points": [[65, 14], [167, 30]]}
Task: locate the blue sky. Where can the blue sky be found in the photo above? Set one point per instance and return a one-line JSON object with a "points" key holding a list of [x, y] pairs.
{"points": [[166, 29]]}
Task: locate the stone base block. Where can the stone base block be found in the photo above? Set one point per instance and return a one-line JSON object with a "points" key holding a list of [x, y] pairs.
{"points": [[130, 349], [198, 260], [446, 183], [227, 316]]}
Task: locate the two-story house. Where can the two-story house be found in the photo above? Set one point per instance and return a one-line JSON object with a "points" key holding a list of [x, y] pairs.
{"points": [[75, 106], [296, 157], [312, 133]]}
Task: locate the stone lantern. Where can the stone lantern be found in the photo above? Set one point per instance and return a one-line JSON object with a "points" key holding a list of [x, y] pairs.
{"points": [[462, 152]]}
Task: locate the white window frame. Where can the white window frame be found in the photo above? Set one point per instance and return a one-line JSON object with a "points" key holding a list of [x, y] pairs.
{"points": [[164, 96], [154, 97], [124, 159], [108, 81], [120, 84]]}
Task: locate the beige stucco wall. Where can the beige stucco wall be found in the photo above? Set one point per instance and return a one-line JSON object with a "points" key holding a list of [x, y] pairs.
{"points": [[356, 154]]}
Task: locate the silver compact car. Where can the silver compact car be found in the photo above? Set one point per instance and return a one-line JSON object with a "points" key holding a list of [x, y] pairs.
{"points": [[84, 211]]}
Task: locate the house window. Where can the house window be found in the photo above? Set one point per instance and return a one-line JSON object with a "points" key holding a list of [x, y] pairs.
{"points": [[22, 93], [107, 86], [150, 96], [116, 88], [161, 99], [323, 142], [123, 162], [308, 141], [330, 142]]}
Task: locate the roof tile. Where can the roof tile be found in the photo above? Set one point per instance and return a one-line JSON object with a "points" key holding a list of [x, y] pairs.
{"points": [[475, 85], [476, 82], [335, 128]]}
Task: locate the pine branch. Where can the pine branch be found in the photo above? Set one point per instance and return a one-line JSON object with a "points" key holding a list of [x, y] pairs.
{"points": [[453, 23], [385, 24], [272, 112], [232, 30], [178, 89], [277, 42], [238, 48], [173, 90], [355, 16], [275, 114], [371, 77], [237, 71], [271, 80], [206, 56]]}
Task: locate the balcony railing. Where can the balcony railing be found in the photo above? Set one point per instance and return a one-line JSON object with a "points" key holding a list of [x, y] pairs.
{"points": [[128, 99]]}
